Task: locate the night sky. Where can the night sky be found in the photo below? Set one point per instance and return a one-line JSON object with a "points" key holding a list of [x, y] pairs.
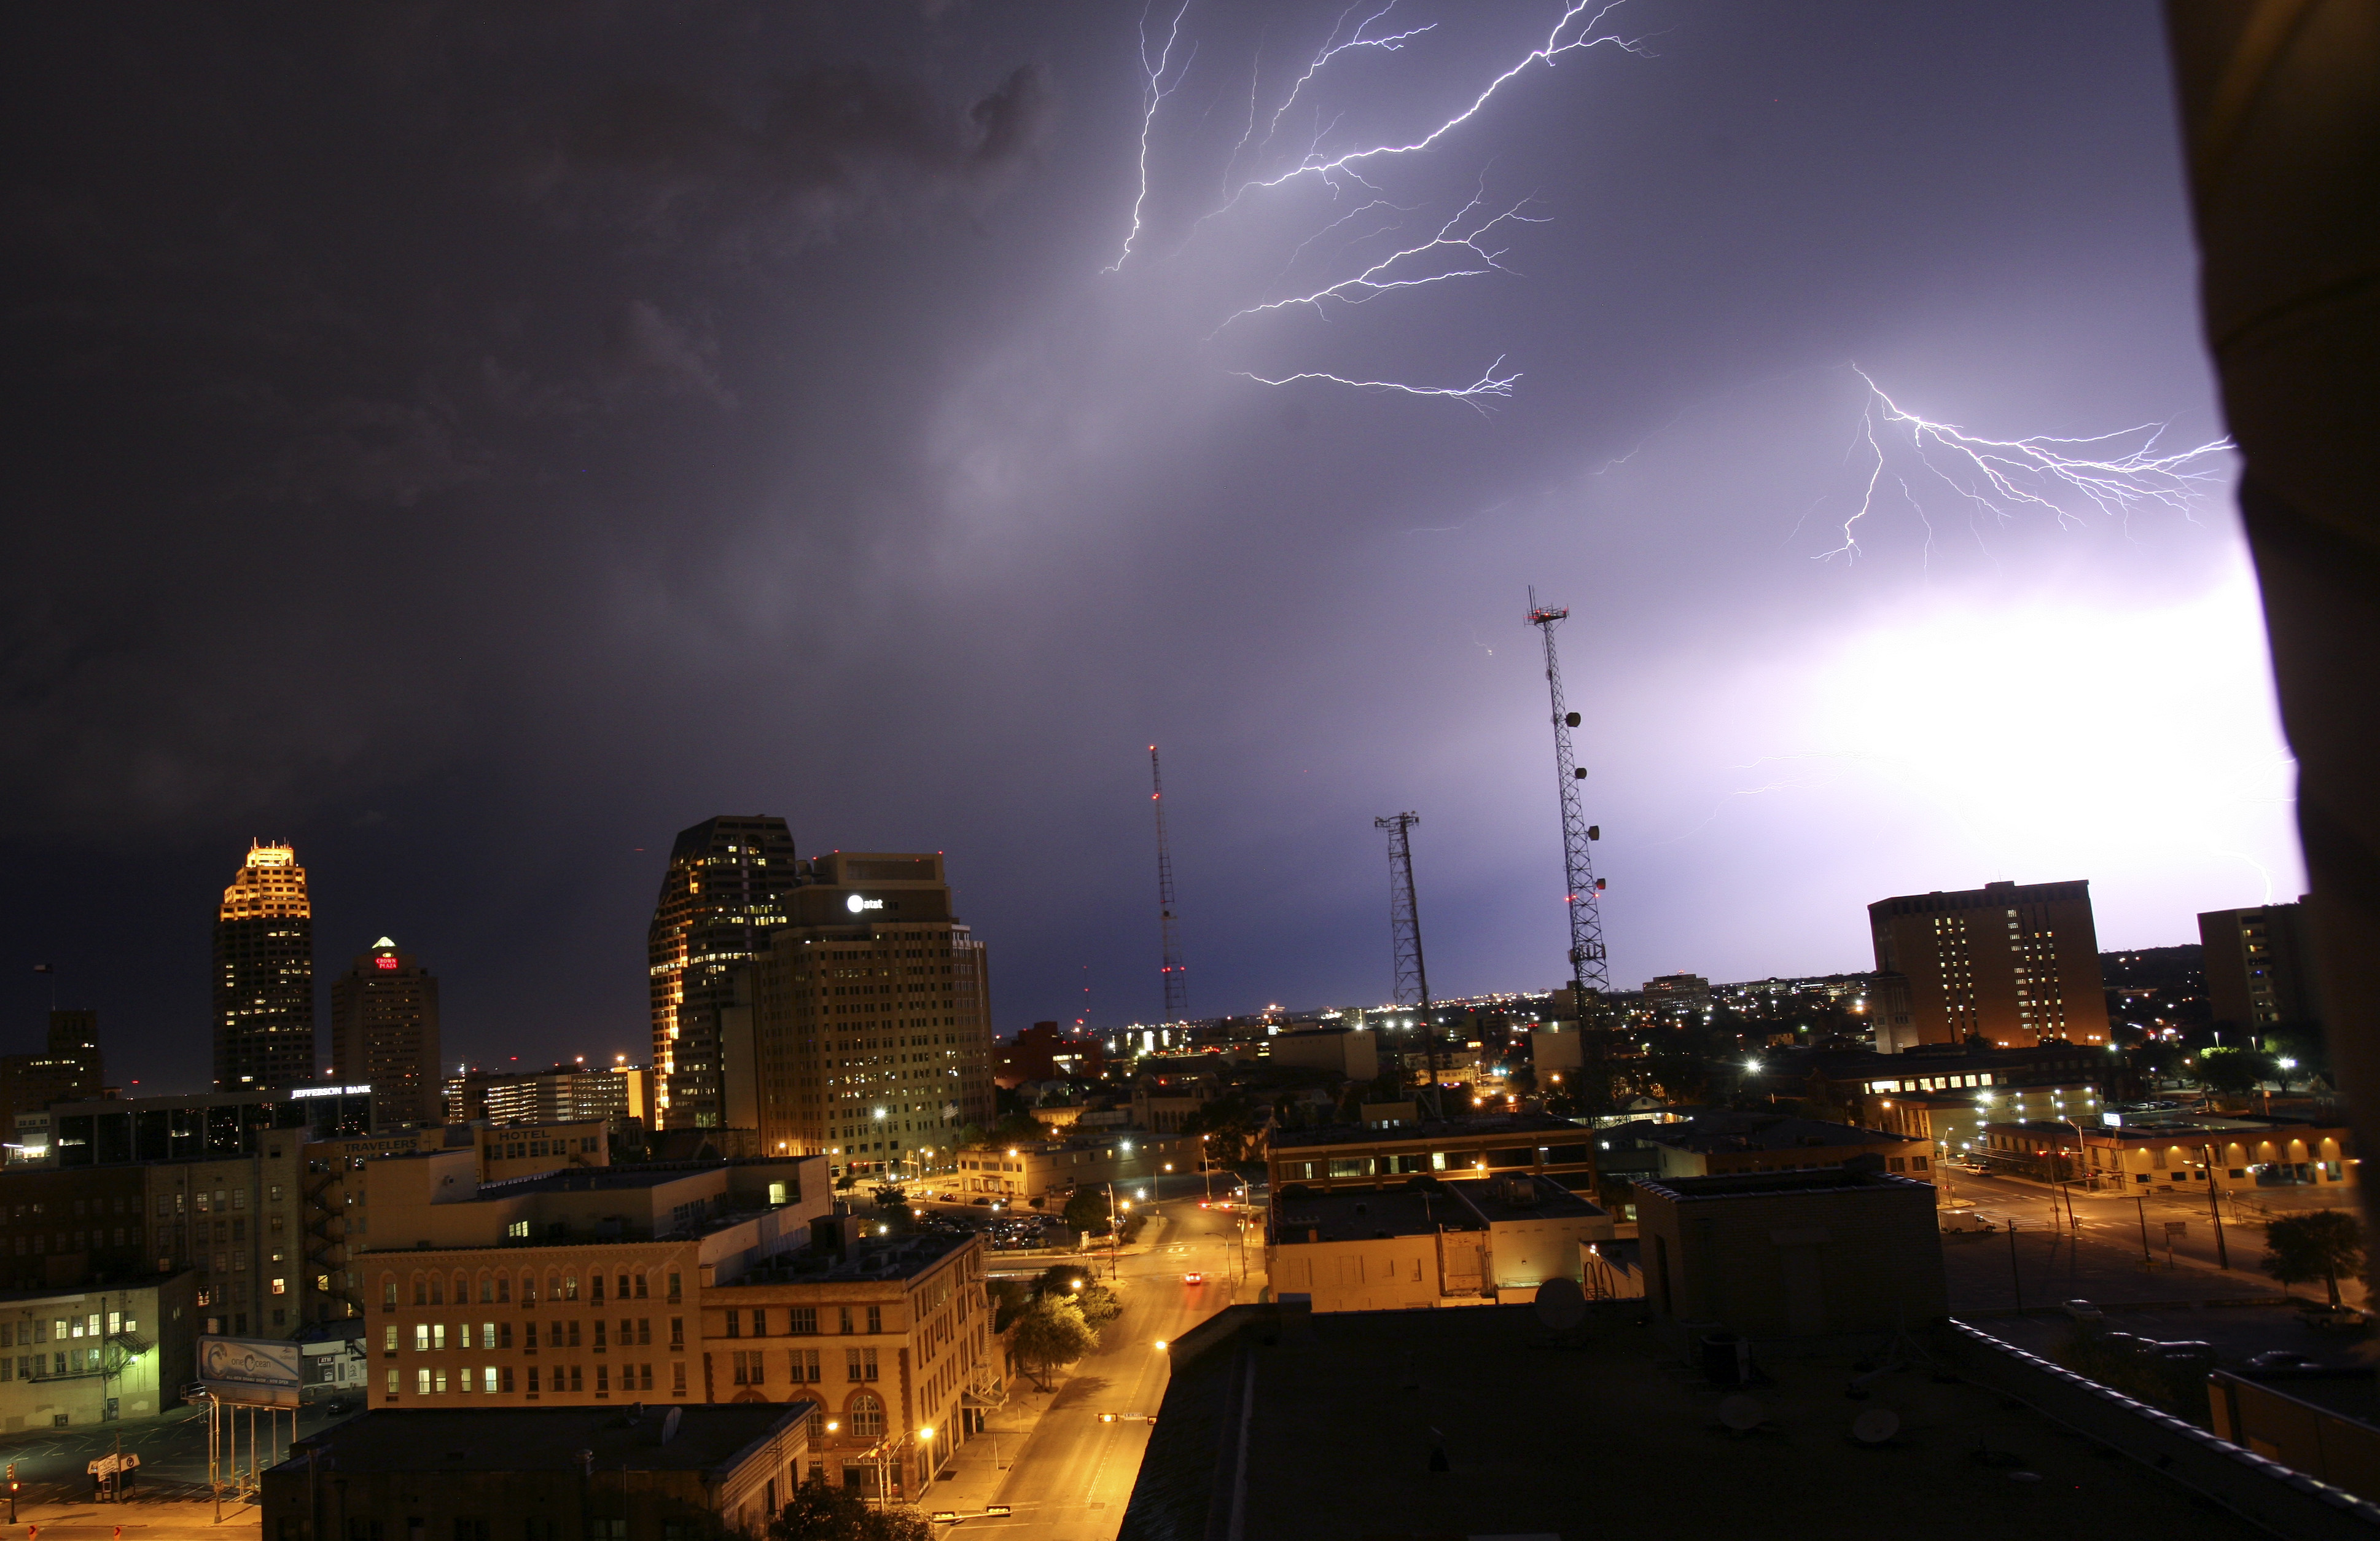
{"points": [[474, 443]]}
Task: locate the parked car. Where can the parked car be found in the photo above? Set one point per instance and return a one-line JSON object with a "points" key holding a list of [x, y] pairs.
{"points": [[2283, 1359], [2084, 1311]]}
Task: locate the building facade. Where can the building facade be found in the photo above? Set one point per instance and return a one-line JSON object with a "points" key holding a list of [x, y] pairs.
{"points": [[1026, 1174], [384, 1034], [69, 1069], [1348, 1156], [870, 1027], [264, 975], [721, 897], [2015, 964], [620, 1095], [70, 1359], [2257, 965]]}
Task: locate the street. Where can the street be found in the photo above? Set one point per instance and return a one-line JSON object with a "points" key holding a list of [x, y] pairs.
{"points": [[1071, 1478]]}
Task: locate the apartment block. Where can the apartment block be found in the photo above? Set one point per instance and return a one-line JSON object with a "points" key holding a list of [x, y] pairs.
{"points": [[2014, 963], [2258, 966]]}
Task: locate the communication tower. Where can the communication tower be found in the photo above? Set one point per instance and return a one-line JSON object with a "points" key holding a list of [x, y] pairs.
{"points": [[1587, 968], [1177, 978], [1405, 939]]}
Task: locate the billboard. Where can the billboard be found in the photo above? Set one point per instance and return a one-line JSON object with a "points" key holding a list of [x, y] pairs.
{"points": [[255, 1372]]}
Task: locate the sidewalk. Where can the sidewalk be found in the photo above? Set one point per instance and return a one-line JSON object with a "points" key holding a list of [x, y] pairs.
{"points": [[136, 1519], [975, 1473]]}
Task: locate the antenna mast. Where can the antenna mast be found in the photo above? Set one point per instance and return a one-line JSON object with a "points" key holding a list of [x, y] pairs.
{"points": [[1587, 968], [1404, 938], [1177, 978]]}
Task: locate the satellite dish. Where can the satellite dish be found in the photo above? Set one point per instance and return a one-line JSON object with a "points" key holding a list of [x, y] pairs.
{"points": [[1875, 1426], [1742, 1413], [1561, 1303]]}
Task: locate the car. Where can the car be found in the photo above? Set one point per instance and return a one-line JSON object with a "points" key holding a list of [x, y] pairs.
{"points": [[1194, 1278], [2082, 1311], [2283, 1359], [985, 1202]]}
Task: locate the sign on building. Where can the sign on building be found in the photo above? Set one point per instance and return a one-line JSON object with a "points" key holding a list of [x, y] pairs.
{"points": [[250, 1372]]}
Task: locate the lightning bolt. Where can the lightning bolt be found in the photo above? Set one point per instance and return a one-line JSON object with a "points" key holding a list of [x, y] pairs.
{"points": [[1455, 234], [1490, 383], [2113, 473], [1154, 91], [1463, 246]]}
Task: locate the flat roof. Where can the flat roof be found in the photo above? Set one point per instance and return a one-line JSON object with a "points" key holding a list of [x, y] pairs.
{"points": [[431, 1440], [871, 1257], [1413, 1423], [1358, 1214], [1495, 1198], [1714, 1133], [1763, 1185], [1486, 1126]]}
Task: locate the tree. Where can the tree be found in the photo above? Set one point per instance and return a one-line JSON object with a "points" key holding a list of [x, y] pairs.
{"points": [[2232, 1072], [1049, 1334], [1087, 1209], [2325, 1245], [819, 1512]]}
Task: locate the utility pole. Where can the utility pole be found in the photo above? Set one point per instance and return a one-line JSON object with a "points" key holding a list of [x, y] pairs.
{"points": [[2215, 1207], [1177, 979], [1404, 941], [1588, 970]]}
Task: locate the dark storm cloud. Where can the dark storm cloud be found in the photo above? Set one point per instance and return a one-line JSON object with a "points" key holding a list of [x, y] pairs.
{"points": [[477, 442]]}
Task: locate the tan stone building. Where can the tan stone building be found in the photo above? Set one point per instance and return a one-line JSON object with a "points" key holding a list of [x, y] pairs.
{"points": [[2017, 963], [866, 1023], [1439, 1244], [1022, 1174]]}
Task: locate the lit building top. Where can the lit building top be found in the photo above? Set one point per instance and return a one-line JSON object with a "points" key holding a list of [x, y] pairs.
{"points": [[271, 885]]}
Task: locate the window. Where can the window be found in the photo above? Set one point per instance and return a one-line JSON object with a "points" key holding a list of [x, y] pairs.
{"points": [[421, 1337], [603, 1380], [388, 1340], [845, 1313], [677, 1377], [678, 1332], [802, 1321], [804, 1367], [421, 1381], [672, 1287], [875, 1323], [866, 1418], [734, 1324], [749, 1368]]}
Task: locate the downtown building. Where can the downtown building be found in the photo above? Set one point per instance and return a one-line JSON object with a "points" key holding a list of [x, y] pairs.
{"points": [[2258, 966], [264, 975], [869, 1025], [68, 1070], [384, 1034], [2016, 964], [621, 1096], [721, 897]]}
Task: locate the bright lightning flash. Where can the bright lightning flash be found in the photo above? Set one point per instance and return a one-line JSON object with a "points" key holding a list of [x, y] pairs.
{"points": [[2002, 476], [1488, 384], [1153, 94], [1461, 233]]}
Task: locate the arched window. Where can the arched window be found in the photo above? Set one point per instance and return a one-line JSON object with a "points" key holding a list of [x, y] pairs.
{"points": [[570, 1285], [462, 1288], [504, 1289], [865, 1417], [388, 1292], [529, 1287], [437, 1290], [553, 1285], [487, 1288]]}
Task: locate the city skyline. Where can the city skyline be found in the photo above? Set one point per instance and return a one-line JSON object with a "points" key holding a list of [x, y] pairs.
{"points": [[881, 506]]}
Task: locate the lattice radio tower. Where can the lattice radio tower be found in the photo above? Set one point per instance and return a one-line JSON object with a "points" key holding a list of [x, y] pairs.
{"points": [[1404, 938], [1177, 978], [1587, 969]]}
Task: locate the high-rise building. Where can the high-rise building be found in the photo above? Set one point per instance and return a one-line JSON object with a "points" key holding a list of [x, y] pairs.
{"points": [[68, 1071], [264, 975], [870, 1023], [2016, 964], [384, 1034], [724, 892], [2256, 963], [620, 1095]]}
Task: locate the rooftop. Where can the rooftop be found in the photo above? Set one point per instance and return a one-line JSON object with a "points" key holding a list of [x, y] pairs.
{"points": [[1410, 1424], [548, 1439], [1485, 1126], [1731, 1130], [1769, 1184], [870, 1257], [1522, 1198], [1361, 1213]]}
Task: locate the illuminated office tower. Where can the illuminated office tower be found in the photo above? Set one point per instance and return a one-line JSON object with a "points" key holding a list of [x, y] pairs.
{"points": [[264, 975], [384, 1034], [869, 1027], [722, 894]]}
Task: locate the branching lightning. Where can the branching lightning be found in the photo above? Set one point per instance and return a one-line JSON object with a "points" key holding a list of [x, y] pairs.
{"points": [[1153, 94], [1464, 246], [1461, 233], [2113, 473]]}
